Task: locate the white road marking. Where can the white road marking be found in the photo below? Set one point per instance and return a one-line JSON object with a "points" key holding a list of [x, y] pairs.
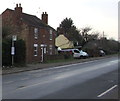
{"points": [[107, 91]]}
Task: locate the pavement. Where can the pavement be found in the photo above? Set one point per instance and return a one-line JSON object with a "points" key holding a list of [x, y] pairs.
{"points": [[37, 66]]}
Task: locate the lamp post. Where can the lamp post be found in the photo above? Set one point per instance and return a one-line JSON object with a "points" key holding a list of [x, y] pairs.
{"points": [[14, 38]]}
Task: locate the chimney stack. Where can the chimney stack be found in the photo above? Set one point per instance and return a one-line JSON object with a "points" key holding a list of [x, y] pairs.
{"points": [[18, 12], [45, 17], [18, 9]]}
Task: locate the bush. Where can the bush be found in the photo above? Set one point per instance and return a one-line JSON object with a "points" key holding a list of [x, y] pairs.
{"points": [[92, 52], [20, 51], [6, 52], [19, 57], [108, 46], [66, 55]]}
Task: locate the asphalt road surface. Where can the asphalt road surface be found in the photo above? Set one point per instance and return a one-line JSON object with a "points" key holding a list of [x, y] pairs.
{"points": [[96, 79]]}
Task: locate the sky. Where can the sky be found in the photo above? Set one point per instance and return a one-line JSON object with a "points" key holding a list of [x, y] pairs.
{"points": [[100, 15]]}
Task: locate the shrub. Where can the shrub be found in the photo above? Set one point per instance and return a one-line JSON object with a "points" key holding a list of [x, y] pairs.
{"points": [[19, 57], [20, 51], [6, 52]]}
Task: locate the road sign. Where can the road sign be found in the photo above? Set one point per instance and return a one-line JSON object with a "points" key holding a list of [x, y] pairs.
{"points": [[14, 37], [12, 50]]}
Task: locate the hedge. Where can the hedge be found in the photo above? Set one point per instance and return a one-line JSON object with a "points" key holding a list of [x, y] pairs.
{"points": [[19, 57]]}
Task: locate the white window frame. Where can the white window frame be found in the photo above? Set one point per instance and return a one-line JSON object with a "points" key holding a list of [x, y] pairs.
{"points": [[36, 49], [51, 33], [36, 33]]}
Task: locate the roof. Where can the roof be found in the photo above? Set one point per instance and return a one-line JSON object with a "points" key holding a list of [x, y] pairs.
{"points": [[70, 38], [32, 20]]}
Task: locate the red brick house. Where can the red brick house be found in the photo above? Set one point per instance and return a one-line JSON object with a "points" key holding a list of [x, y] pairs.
{"points": [[32, 30]]}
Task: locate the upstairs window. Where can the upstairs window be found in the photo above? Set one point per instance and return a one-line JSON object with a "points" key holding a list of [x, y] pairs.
{"points": [[50, 34], [36, 33], [35, 49]]}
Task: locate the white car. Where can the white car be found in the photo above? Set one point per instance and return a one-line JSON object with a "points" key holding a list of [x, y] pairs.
{"points": [[79, 54], [75, 52], [102, 53]]}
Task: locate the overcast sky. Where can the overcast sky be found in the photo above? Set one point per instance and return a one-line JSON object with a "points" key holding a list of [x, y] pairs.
{"points": [[101, 15]]}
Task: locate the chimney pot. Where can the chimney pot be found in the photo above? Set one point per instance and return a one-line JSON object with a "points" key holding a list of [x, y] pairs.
{"points": [[16, 5], [19, 4]]}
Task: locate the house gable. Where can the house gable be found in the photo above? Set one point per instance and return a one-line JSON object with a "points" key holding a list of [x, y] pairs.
{"points": [[63, 42]]}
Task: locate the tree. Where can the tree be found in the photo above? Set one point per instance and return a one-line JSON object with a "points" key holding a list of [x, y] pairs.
{"points": [[85, 32], [6, 31], [20, 49], [66, 25], [20, 52], [6, 52], [93, 36], [110, 46], [70, 31]]}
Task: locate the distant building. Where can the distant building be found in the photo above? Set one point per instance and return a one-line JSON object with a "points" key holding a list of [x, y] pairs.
{"points": [[63, 42], [34, 31]]}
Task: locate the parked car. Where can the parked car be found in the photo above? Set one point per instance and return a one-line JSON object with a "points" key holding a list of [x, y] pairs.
{"points": [[76, 53], [80, 54], [102, 53], [84, 54]]}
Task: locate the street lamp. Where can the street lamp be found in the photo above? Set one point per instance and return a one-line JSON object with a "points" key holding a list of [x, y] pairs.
{"points": [[14, 38]]}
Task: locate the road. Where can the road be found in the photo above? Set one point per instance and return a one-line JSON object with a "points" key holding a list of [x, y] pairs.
{"points": [[96, 79]]}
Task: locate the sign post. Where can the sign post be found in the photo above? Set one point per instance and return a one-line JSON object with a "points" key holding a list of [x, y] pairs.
{"points": [[43, 48], [14, 38]]}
